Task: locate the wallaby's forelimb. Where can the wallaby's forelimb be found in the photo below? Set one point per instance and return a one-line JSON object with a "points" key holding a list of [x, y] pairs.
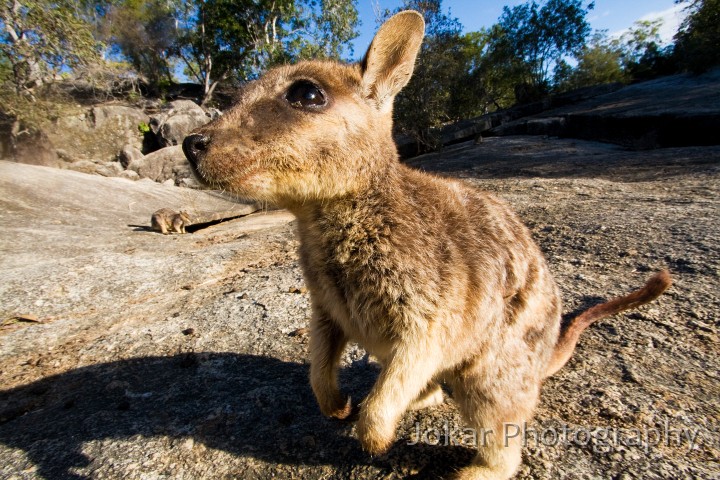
{"points": [[570, 334]]}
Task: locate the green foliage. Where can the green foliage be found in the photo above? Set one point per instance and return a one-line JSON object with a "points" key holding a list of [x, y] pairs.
{"points": [[40, 38], [144, 33], [331, 26], [215, 40], [29, 113], [500, 69], [539, 36], [107, 80], [525, 55], [697, 44], [472, 90], [644, 56], [237, 39], [599, 62], [442, 66], [39, 41], [461, 76], [144, 128]]}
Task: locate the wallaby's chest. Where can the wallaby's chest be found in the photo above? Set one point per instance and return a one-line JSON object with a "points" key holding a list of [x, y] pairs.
{"points": [[358, 275]]}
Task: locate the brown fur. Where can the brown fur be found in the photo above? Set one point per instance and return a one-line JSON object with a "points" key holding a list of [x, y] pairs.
{"points": [[439, 281], [167, 221]]}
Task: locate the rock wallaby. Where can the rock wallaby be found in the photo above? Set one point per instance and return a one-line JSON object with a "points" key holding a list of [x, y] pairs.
{"points": [[440, 282], [167, 221]]}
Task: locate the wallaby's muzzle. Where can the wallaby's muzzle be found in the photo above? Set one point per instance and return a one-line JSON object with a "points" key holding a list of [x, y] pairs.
{"points": [[194, 146]]}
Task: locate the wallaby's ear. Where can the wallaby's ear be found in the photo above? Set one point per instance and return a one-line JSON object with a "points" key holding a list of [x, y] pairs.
{"points": [[389, 62]]}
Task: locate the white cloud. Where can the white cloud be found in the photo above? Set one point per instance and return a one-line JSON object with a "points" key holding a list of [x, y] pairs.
{"points": [[671, 20], [598, 16]]}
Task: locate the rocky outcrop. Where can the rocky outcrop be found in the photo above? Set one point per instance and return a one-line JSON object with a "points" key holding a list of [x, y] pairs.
{"points": [[673, 111], [129, 154], [110, 140], [98, 134], [176, 121], [88, 223], [486, 125], [165, 164], [35, 148]]}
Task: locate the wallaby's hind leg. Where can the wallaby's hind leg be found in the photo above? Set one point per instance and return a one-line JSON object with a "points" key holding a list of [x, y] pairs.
{"points": [[497, 411]]}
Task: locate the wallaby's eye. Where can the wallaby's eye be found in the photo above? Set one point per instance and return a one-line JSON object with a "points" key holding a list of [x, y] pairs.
{"points": [[305, 94]]}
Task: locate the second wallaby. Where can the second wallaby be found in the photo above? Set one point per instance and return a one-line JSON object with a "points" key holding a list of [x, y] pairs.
{"points": [[168, 221], [440, 282]]}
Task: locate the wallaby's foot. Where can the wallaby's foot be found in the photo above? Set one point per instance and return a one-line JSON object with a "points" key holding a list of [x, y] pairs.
{"points": [[375, 435], [494, 462], [339, 409]]}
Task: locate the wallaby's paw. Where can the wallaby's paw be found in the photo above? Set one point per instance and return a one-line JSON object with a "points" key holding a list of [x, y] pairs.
{"points": [[343, 413], [340, 409], [476, 473], [375, 439]]}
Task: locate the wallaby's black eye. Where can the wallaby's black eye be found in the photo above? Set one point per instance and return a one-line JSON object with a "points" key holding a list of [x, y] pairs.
{"points": [[305, 94]]}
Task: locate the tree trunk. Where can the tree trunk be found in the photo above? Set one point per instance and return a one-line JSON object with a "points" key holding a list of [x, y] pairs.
{"points": [[208, 95]]}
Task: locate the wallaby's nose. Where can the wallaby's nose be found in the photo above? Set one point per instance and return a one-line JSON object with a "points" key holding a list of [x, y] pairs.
{"points": [[193, 147]]}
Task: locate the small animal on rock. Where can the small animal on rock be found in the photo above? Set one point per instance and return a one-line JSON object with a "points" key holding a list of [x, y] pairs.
{"points": [[437, 280], [169, 221]]}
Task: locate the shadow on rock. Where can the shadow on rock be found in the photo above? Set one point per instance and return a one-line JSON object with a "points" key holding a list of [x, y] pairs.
{"points": [[246, 405]]}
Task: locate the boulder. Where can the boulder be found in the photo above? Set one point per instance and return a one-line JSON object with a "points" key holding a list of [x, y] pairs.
{"points": [[98, 133], [83, 166], [168, 163], [175, 123], [184, 176], [117, 116], [129, 154], [109, 169], [105, 169], [34, 148], [129, 174]]}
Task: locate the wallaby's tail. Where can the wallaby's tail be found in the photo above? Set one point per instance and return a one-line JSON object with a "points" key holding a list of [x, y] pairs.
{"points": [[569, 336]]}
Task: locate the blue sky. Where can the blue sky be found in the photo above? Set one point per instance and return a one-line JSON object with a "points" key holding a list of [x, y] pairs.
{"points": [[612, 15]]}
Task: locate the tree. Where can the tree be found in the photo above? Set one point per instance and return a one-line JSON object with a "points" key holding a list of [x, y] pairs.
{"points": [[500, 70], [471, 86], [41, 38], [540, 36], [644, 56], [331, 26], [599, 62], [698, 40], [425, 102], [223, 39], [39, 41], [144, 33]]}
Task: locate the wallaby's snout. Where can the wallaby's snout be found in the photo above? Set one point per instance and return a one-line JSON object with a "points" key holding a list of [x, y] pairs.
{"points": [[193, 146]]}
